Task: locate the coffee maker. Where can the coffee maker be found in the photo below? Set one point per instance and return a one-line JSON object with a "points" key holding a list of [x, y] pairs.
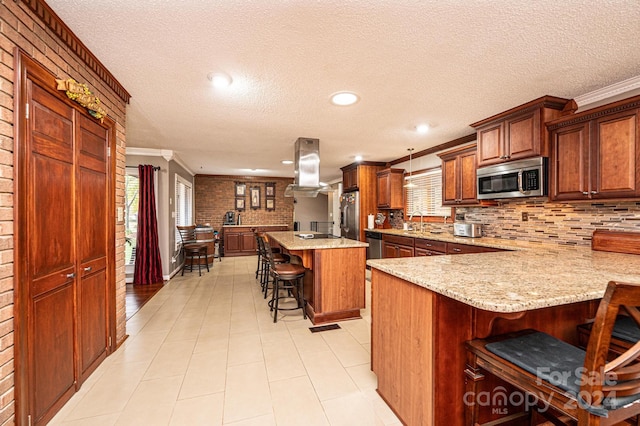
{"points": [[229, 218]]}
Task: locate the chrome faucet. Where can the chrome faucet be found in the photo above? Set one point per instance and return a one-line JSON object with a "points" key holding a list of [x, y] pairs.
{"points": [[411, 217]]}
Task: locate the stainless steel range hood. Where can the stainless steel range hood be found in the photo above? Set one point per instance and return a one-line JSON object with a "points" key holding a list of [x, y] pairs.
{"points": [[306, 182]]}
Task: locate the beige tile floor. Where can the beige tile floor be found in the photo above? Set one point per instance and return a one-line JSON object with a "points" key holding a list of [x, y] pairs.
{"points": [[204, 351]]}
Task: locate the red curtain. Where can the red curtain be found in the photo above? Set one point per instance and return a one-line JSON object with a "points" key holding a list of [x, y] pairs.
{"points": [[148, 267]]}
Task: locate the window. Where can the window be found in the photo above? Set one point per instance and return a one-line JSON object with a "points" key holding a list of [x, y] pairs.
{"points": [[426, 196], [183, 205], [131, 198]]}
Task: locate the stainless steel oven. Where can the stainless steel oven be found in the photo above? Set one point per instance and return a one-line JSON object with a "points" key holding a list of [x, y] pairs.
{"points": [[521, 178]]}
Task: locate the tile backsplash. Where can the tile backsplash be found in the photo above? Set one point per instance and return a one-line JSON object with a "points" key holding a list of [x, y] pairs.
{"points": [[547, 222]]}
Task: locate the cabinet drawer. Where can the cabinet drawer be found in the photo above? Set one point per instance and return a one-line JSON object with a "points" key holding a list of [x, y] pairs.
{"points": [[431, 245], [455, 248], [396, 239], [425, 252]]}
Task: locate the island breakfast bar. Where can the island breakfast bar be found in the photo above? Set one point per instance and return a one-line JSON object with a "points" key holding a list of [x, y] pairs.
{"points": [[424, 309], [334, 284]]}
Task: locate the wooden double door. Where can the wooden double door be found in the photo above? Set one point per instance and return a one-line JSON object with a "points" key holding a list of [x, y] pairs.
{"points": [[65, 292]]}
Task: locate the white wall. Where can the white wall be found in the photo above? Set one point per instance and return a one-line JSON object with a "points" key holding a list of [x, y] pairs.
{"points": [[307, 209]]}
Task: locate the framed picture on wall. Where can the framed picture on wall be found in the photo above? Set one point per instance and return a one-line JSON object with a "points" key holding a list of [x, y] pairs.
{"points": [[270, 204], [240, 204], [270, 189], [254, 194], [241, 189]]}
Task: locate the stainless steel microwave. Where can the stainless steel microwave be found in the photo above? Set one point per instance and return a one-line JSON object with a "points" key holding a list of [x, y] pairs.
{"points": [[521, 178]]}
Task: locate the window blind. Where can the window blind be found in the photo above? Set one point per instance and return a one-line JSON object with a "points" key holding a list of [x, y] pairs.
{"points": [[425, 199], [183, 205]]}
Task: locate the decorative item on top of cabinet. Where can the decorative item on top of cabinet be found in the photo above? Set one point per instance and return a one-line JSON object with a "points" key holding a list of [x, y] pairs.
{"points": [[519, 132], [390, 193], [459, 176], [595, 154]]}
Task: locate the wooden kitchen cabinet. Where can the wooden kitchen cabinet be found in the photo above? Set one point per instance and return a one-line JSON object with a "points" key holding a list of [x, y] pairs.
{"points": [[595, 154], [455, 248], [241, 240], [459, 176], [350, 178], [390, 190], [394, 246], [424, 247], [362, 177], [517, 133]]}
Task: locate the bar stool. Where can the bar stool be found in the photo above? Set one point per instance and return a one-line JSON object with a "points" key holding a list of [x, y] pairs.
{"points": [[191, 248], [289, 277], [577, 383], [265, 266]]}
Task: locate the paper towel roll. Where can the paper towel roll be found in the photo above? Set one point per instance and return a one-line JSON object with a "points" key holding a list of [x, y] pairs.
{"points": [[370, 221]]}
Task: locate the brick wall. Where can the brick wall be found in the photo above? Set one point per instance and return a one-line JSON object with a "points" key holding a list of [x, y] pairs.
{"points": [[19, 27], [215, 195]]}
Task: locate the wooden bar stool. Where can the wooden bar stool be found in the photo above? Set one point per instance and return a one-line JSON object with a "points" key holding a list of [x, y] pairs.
{"points": [[289, 277], [579, 384], [191, 248], [626, 332], [265, 258]]}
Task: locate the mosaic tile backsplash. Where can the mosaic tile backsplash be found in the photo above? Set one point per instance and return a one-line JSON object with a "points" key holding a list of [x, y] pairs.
{"points": [[562, 223]]}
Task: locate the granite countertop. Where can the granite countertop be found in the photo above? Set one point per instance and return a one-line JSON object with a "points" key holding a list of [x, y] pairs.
{"points": [[499, 243], [531, 277], [290, 241]]}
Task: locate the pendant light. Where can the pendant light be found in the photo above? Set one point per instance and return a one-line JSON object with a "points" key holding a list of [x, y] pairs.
{"points": [[410, 184]]}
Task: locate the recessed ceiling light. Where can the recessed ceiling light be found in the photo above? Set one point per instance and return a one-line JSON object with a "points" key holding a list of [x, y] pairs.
{"points": [[220, 79], [344, 98], [423, 129], [287, 161], [358, 157]]}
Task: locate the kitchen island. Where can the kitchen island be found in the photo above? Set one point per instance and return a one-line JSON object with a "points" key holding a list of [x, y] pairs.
{"points": [[334, 284], [423, 309]]}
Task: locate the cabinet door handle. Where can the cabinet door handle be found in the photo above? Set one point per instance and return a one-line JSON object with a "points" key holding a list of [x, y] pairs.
{"points": [[457, 250], [71, 275], [88, 269], [585, 193], [594, 192], [428, 245]]}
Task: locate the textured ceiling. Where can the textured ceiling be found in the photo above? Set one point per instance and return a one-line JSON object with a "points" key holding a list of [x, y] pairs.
{"points": [[445, 62]]}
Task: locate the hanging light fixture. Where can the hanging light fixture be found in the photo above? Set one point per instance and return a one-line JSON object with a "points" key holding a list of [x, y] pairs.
{"points": [[410, 184]]}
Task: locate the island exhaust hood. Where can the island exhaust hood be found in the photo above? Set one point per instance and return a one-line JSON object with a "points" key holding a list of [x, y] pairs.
{"points": [[306, 182]]}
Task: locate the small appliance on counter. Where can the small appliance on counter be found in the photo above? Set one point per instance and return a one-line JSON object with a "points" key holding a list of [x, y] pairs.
{"points": [[229, 218], [380, 218], [472, 230]]}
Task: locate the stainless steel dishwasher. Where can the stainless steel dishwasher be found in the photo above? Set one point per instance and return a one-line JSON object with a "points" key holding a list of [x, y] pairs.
{"points": [[374, 251]]}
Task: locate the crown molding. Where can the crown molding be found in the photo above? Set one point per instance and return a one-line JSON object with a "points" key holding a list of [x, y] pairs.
{"points": [[610, 91], [167, 154], [53, 22]]}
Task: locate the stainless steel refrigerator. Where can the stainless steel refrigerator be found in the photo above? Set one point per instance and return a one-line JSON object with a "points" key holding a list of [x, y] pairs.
{"points": [[350, 215]]}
